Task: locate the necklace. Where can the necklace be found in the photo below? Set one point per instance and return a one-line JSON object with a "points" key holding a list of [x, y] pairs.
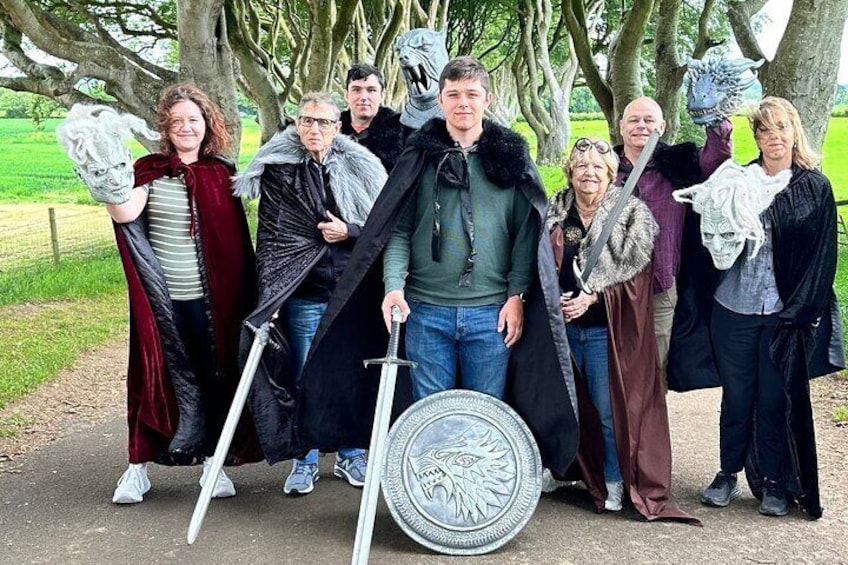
{"points": [[587, 211]]}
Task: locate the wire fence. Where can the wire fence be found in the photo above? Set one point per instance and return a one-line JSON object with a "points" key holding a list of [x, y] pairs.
{"points": [[33, 235]]}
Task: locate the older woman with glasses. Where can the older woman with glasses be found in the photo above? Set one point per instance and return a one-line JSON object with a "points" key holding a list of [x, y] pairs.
{"points": [[317, 189], [624, 437]]}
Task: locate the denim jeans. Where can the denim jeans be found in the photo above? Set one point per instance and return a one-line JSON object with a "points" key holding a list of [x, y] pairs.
{"points": [[436, 336], [302, 318], [589, 347]]}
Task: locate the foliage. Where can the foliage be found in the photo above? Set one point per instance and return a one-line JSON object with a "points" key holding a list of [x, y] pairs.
{"points": [[40, 108], [582, 102], [72, 279], [841, 95], [14, 104], [840, 414]]}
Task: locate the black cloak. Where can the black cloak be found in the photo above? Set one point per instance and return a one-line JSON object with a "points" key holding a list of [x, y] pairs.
{"points": [[807, 343], [336, 405], [384, 137], [289, 245]]}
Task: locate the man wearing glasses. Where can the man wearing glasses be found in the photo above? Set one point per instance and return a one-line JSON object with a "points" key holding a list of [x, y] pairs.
{"points": [[366, 120], [317, 188], [672, 167]]}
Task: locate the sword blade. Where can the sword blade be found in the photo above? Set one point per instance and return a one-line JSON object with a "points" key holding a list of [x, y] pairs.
{"points": [[376, 447], [595, 252], [259, 342], [371, 489]]}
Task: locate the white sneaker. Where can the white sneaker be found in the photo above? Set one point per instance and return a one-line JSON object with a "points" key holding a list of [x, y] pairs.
{"points": [[224, 487], [550, 484], [132, 485], [615, 491]]}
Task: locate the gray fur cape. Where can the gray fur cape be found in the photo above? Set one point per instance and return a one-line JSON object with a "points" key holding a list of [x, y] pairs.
{"points": [[289, 245], [631, 242]]}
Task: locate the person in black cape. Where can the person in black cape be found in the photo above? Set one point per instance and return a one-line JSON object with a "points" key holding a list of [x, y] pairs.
{"points": [[337, 400], [773, 324]]}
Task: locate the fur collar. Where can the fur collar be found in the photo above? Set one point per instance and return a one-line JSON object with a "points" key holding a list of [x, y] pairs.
{"points": [[630, 246], [384, 136], [384, 119], [678, 163], [503, 153], [355, 173]]}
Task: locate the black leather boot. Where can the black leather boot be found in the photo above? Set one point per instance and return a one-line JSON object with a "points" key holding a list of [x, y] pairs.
{"points": [[186, 447]]}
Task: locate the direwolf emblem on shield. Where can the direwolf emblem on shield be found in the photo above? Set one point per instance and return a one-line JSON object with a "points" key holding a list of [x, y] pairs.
{"points": [[474, 472], [461, 473]]}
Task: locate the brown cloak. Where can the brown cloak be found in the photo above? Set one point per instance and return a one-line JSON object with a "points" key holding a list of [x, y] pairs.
{"points": [[640, 417]]}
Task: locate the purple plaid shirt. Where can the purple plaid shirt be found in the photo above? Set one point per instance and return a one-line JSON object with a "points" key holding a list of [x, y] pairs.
{"points": [[655, 191]]}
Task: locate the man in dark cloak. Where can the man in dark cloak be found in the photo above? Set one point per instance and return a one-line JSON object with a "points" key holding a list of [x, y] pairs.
{"points": [[338, 396], [366, 120], [317, 188]]}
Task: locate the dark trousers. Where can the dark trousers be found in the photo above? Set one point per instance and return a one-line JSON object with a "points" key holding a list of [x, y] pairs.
{"points": [[192, 323], [752, 391]]}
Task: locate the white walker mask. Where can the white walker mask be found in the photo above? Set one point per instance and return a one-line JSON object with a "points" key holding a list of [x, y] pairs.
{"points": [[730, 203], [94, 137]]}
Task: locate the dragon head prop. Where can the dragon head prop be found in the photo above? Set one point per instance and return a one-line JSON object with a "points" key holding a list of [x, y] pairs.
{"points": [[714, 88], [730, 203], [422, 56]]}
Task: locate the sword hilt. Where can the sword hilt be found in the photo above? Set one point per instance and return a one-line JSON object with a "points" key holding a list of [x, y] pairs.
{"points": [[391, 357], [394, 337]]}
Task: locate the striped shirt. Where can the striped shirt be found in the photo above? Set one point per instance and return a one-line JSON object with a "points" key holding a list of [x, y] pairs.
{"points": [[169, 224]]}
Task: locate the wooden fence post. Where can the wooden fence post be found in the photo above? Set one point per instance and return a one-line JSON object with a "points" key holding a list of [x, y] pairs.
{"points": [[54, 235]]}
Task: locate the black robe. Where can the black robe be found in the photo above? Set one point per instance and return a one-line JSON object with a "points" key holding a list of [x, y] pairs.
{"points": [[336, 405], [808, 341]]}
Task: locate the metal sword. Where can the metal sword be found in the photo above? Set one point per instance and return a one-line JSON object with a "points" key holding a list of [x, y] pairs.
{"points": [[376, 448], [582, 276], [260, 340]]}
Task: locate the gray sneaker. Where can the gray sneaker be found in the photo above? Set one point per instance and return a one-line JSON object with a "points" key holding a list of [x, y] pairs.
{"points": [[351, 469], [302, 478], [722, 490]]}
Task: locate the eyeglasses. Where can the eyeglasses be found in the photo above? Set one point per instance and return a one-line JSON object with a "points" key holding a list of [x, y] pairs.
{"points": [[584, 144], [323, 123]]}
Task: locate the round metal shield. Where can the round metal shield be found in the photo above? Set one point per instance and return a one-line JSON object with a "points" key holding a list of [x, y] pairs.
{"points": [[462, 473]]}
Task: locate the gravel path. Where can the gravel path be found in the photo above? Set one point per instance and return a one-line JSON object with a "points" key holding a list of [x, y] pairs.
{"points": [[57, 476]]}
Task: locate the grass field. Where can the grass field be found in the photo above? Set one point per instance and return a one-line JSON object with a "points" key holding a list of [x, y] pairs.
{"points": [[33, 167], [50, 315]]}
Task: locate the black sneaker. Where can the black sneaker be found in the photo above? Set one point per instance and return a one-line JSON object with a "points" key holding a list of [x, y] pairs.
{"points": [[722, 490], [774, 500]]}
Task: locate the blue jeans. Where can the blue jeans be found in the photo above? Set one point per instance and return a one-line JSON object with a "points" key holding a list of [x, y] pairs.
{"points": [[302, 318], [589, 347], [436, 336]]}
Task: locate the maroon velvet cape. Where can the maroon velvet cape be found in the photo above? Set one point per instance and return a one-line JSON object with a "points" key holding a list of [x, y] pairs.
{"points": [[227, 265], [637, 394]]}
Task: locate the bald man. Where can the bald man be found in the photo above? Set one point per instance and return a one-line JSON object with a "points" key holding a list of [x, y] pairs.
{"points": [[672, 167]]}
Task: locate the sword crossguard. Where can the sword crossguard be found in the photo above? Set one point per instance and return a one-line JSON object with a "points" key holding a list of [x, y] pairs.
{"points": [[390, 361]]}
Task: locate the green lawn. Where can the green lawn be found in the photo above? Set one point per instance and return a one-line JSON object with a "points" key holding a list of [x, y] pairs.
{"points": [[49, 316], [33, 167]]}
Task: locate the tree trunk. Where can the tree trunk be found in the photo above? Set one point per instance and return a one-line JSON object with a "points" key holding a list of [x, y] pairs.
{"points": [[206, 58], [534, 75], [805, 66]]}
